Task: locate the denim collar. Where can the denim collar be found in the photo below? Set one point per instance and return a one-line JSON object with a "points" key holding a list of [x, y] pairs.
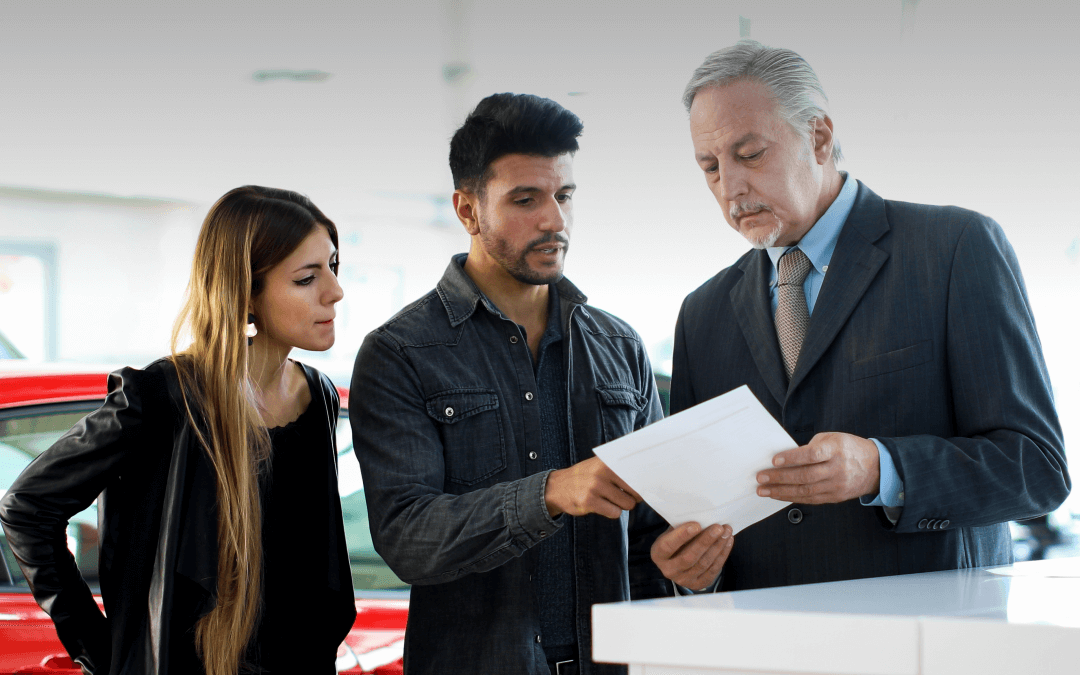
{"points": [[460, 295]]}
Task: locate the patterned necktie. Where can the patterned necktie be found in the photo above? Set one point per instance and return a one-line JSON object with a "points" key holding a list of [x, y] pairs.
{"points": [[792, 316]]}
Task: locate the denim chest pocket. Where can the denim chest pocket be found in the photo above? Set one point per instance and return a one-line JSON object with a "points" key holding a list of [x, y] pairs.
{"points": [[619, 408], [471, 432]]}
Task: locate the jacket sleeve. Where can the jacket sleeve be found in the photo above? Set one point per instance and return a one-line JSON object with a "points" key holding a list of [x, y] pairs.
{"points": [[1007, 460], [645, 525], [425, 535], [59, 483]]}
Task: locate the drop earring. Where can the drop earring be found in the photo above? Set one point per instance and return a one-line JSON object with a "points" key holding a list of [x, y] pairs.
{"points": [[251, 331]]}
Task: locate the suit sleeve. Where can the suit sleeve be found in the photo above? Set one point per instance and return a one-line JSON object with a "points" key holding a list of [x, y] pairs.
{"points": [[425, 535], [682, 394], [1007, 460], [60, 483], [645, 525]]}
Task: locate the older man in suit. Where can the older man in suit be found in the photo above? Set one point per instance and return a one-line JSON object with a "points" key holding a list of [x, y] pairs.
{"points": [[893, 341]]}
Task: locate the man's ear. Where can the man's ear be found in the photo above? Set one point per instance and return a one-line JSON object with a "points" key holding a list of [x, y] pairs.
{"points": [[467, 208], [823, 140]]}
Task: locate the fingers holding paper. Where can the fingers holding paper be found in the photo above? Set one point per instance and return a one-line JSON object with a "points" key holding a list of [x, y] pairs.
{"points": [[693, 557], [588, 487], [831, 468]]}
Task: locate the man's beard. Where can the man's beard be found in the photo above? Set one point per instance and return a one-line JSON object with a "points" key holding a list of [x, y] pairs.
{"points": [[759, 241], [517, 264]]}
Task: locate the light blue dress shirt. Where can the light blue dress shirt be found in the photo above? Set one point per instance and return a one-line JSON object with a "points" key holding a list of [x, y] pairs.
{"points": [[818, 244]]}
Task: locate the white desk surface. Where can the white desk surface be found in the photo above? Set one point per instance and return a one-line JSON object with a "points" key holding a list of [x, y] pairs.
{"points": [[939, 623]]}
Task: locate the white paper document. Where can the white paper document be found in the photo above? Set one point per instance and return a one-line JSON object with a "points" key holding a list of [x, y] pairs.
{"points": [[702, 463]]}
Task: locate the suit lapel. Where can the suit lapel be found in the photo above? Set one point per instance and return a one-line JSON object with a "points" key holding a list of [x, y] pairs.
{"points": [[750, 300], [855, 263]]}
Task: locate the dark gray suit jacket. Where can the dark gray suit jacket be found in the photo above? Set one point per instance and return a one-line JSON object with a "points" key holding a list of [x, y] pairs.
{"points": [[921, 337]]}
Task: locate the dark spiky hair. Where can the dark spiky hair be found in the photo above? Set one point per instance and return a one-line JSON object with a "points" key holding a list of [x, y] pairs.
{"points": [[505, 124]]}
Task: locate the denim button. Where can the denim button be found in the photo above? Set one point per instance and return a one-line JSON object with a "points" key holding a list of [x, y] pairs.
{"points": [[794, 516], [513, 339], [449, 412], [528, 396], [532, 455]]}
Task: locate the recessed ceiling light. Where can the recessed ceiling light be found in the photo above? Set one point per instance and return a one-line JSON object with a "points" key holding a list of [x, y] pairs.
{"points": [[294, 75]]}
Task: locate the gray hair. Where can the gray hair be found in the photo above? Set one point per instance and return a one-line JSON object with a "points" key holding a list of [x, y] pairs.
{"points": [[800, 99]]}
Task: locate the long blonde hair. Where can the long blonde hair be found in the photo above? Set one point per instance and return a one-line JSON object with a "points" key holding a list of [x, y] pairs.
{"points": [[246, 233]]}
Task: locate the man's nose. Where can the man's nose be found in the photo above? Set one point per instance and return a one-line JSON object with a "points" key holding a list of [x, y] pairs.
{"points": [[732, 183], [555, 218]]}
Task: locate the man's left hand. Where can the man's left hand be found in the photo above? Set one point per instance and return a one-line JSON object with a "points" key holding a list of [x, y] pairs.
{"points": [[832, 468]]}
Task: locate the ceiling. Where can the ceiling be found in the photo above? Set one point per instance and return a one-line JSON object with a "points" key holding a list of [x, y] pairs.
{"points": [[943, 101]]}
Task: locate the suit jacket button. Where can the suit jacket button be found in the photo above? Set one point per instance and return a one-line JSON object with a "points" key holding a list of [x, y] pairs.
{"points": [[794, 516], [922, 524], [944, 524]]}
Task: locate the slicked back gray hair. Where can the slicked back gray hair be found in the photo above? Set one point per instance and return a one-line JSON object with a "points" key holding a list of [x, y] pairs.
{"points": [[799, 96]]}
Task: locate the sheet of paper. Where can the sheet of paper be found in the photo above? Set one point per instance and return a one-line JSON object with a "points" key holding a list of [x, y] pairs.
{"points": [[701, 464]]}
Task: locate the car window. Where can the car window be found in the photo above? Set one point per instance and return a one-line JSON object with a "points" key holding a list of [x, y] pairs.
{"points": [[369, 572], [24, 434]]}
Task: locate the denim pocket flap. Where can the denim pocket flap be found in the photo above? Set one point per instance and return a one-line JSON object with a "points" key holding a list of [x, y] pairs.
{"points": [[621, 395], [889, 362], [455, 405]]}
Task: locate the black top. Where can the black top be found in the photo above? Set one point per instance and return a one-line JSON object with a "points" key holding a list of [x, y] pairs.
{"points": [[299, 627], [295, 633]]}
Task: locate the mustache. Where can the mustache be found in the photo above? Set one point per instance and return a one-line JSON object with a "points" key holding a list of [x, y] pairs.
{"points": [[742, 208], [550, 238]]}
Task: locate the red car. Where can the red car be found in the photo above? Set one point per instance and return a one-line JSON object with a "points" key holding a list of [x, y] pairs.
{"points": [[37, 407]]}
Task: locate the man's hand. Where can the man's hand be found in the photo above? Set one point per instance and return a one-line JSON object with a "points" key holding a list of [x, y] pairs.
{"points": [[588, 487], [832, 468], [692, 557]]}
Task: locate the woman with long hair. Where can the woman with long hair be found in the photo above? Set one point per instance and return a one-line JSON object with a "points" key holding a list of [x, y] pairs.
{"points": [[215, 468]]}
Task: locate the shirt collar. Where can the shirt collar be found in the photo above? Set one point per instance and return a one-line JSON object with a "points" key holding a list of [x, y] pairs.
{"points": [[460, 296], [819, 243]]}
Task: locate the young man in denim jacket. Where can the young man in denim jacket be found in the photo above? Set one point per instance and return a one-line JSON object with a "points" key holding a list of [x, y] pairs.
{"points": [[475, 411]]}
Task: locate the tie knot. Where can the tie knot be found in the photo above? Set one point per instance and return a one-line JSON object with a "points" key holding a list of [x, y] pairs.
{"points": [[792, 268]]}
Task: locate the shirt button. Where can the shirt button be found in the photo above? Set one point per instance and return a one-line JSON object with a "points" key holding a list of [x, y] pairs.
{"points": [[543, 533], [538, 638], [528, 396], [513, 339], [532, 455], [449, 412]]}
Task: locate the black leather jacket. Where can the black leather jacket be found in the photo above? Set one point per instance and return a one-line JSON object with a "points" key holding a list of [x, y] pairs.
{"points": [[158, 524]]}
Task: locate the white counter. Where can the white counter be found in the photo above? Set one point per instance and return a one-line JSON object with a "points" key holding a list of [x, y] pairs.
{"points": [[940, 623]]}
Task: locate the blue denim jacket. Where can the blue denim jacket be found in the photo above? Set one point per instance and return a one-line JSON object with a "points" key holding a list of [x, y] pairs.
{"points": [[447, 432]]}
